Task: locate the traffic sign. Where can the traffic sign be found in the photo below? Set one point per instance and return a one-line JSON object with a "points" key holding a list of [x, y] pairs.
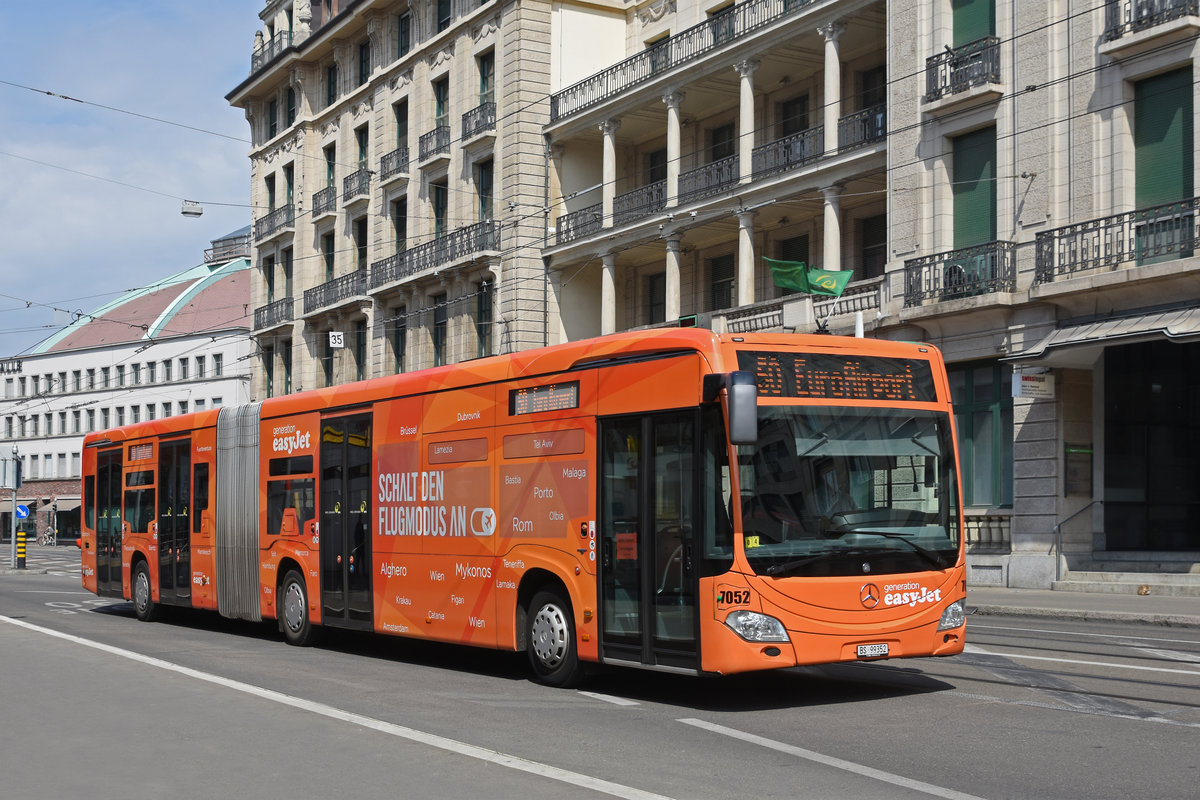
{"points": [[22, 512]]}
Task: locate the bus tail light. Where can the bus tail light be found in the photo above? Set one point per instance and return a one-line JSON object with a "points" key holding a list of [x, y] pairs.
{"points": [[953, 617], [755, 627]]}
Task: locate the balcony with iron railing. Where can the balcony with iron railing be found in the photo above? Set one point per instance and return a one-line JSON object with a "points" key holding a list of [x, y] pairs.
{"points": [[788, 153], [394, 164], [435, 143], [962, 69], [471, 240], [862, 128], [324, 202], [694, 43], [356, 186], [640, 203], [708, 180], [1136, 26], [984, 269], [478, 121], [273, 314], [578, 224], [281, 220], [1135, 238], [338, 290], [228, 249], [269, 48]]}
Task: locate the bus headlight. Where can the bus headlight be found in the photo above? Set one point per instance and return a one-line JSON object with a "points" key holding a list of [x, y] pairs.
{"points": [[755, 627], [953, 617]]}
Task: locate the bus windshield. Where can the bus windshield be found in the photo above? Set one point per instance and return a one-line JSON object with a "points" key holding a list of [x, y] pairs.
{"points": [[846, 491]]}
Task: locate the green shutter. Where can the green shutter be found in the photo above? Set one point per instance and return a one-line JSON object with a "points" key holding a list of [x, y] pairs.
{"points": [[1162, 138], [973, 19], [974, 188]]}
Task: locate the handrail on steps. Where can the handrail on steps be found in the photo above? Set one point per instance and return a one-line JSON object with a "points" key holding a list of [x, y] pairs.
{"points": [[1058, 539]]}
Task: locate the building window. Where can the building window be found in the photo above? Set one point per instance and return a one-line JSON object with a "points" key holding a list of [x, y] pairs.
{"points": [[403, 34], [120, 375], [166, 371], [364, 62], [268, 270], [483, 320], [289, 180], [330, 165], [327, 360], [291, 106], [269, 186], [655, 167], [360, 243], [656, 298], [183, 406], [487, 77], [360, 350], [400, 223], [76, 422], [438, 196], [135, 414], [872, 238], [200, 366], [218, 364], [91, 420], [974, 188], [441, 102], [399, 339], [442, 10], [216, 402], [331, 87], [483, 188], [286, 359], [286, 265], [983, 411], [269, 370], [439, 330], [75, 465], [327, 253], [721, 143], [151, 411], [793, 116], [62, 423], [198, 405], [136, 374], [150, 372], [104, 414], [105, 378], [183, 369], [166, 409], [362, 139], [872, 87], [400, 115], [272, 119], [720, 282]]}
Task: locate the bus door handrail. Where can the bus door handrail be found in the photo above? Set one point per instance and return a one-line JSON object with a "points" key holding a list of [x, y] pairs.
{"points": [[1058, 539]]}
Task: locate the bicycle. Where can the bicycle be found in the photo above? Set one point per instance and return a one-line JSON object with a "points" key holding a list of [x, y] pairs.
{"points": [[46, 538]]}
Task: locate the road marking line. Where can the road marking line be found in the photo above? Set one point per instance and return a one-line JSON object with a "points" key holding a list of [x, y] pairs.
{"points": [[399, 731], [977, 650], [616, 701], [830, 761], [974, 624], [1171, 655]]}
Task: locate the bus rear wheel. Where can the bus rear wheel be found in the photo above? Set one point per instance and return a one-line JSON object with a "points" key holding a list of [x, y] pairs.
{"points": [[550, 635], [293, 611], [143, 594]]}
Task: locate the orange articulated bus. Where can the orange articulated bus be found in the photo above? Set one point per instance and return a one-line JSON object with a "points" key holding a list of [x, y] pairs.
{"points": [[675, 500]]}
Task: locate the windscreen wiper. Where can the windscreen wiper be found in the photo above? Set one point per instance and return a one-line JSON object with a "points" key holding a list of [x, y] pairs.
{"points": [[924, 552]]}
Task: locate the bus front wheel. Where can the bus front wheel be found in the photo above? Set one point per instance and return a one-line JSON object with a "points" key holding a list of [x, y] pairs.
{"points": [[551, 640], [143, 594], [293, 611]]}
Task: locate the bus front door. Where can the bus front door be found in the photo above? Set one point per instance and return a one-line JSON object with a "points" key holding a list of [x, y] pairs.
{"points": [[345, 521], [174, 542], [648, 576], [108, 523]]}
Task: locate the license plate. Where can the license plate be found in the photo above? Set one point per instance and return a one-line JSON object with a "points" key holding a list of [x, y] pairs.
{"points": [[872, 650]]}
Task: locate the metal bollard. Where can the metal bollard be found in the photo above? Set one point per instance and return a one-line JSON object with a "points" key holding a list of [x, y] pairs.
{"points": [[20, 549]]}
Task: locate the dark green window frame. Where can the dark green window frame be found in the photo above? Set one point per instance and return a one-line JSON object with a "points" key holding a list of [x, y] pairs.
{"points": [[983, 412]]}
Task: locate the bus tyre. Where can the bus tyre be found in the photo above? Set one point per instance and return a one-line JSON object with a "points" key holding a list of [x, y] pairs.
{"points": [[550, 636], [143, 594], [293, 611]]}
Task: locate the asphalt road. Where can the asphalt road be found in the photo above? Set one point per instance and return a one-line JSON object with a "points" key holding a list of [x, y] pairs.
{"points": [[96, 703]]}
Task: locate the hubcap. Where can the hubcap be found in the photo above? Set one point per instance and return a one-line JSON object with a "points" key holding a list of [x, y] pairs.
{"points": [[142, 592], [293, 607], [550, 635]]}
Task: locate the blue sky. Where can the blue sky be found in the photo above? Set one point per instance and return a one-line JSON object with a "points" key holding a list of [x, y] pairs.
{"points": [[73, 242]]}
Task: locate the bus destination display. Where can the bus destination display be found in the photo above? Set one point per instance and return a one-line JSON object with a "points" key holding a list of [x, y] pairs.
{"points": [[837, 377], [536, 399]]}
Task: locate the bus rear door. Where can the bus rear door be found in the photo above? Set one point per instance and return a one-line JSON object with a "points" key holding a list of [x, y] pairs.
{"points": [[345, 521], [108, 522], [174, 534]]}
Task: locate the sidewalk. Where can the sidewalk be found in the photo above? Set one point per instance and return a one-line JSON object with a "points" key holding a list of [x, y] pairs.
{"points": [[1149, 609], [41, 559]]}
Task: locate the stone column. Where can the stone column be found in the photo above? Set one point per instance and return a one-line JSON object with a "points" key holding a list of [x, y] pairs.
{"points": [[833, 83], [745, 262], [608, 294], [746, 70], [672, 312], [832, 258], [609, 190], [673, 101]]}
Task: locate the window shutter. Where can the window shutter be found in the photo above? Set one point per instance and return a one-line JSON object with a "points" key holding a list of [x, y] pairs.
{"points": [[1162, 138], [974, 188]]}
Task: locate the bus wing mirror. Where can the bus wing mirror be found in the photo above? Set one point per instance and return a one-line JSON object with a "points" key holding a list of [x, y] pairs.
{"points": [[743, 407]]}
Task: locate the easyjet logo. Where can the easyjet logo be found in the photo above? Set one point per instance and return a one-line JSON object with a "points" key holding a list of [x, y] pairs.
{"points": [[291, 443]]}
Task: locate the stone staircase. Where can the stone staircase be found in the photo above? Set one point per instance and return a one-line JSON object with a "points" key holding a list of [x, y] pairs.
{"points": [[1164, 578]]}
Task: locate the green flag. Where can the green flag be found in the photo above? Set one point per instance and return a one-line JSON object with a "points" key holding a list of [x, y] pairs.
{"points": [[789, 274], [829, 281]]}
